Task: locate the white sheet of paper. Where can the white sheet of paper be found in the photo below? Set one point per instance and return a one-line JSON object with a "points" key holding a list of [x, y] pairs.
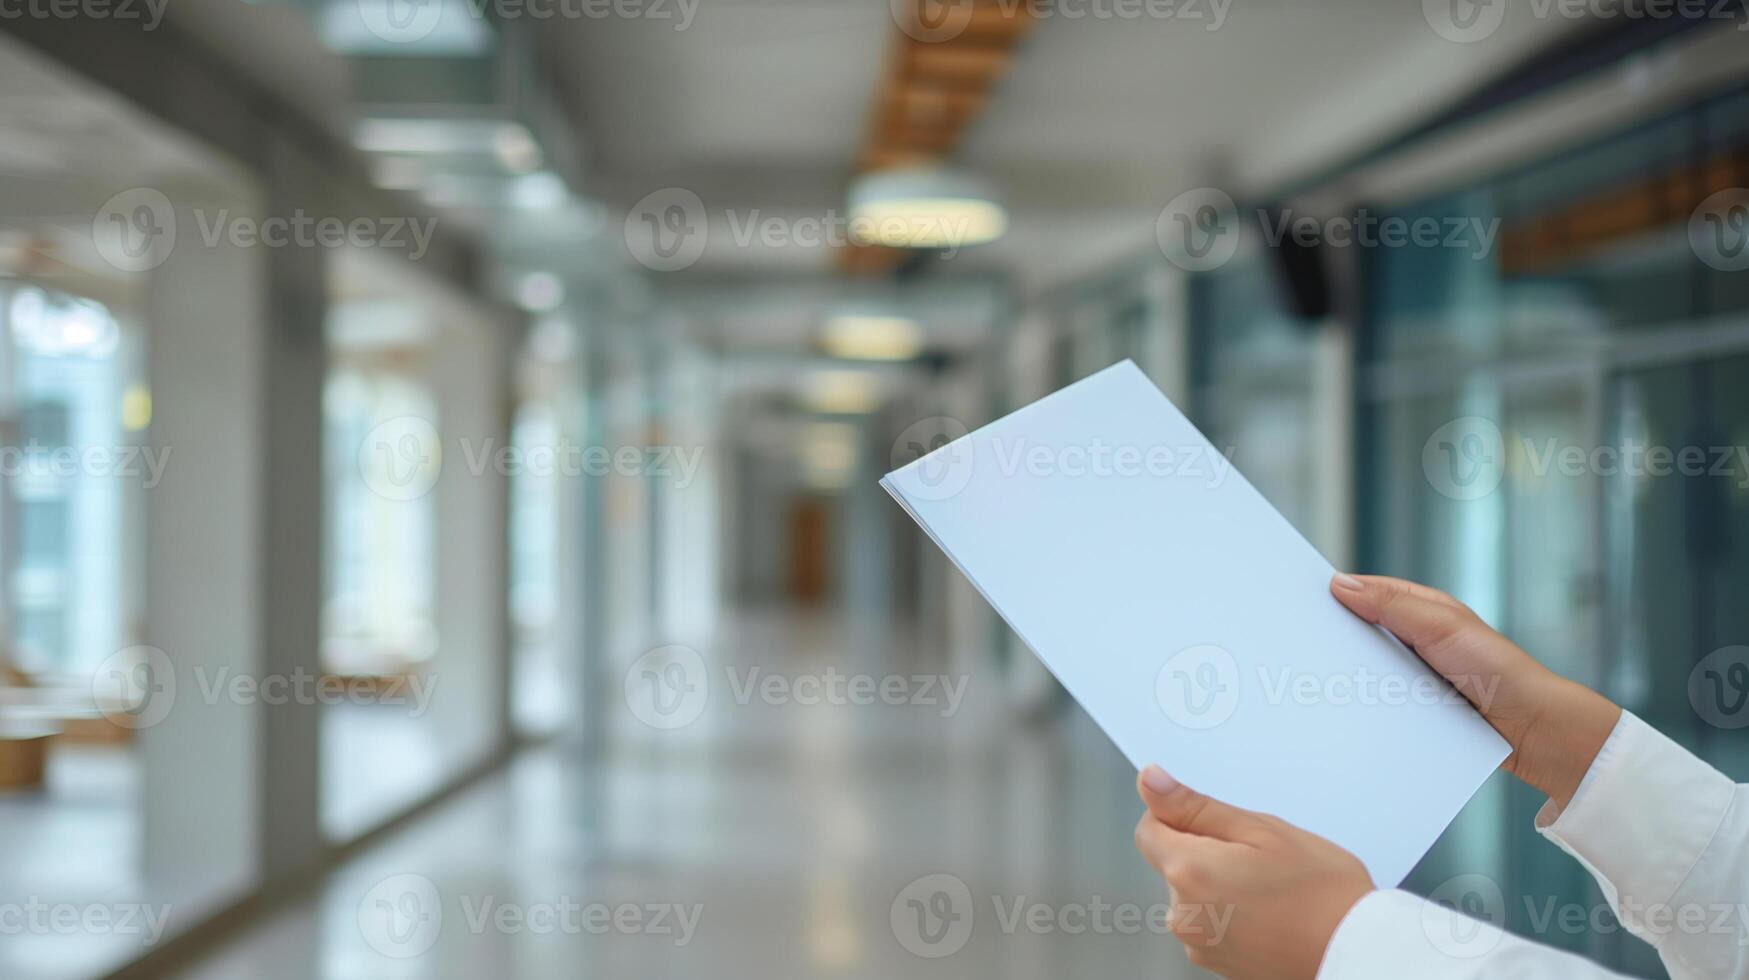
{"points": [[1195, 624]]}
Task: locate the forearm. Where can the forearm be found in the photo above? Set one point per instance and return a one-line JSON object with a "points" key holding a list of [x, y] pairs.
{"points": [[1559, 742]]}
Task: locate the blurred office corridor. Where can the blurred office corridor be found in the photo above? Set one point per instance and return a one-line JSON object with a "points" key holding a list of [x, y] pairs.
{"points": [[440, 530], [795, 836]]}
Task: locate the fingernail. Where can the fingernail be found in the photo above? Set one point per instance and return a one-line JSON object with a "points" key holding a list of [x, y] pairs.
{"points": [[1157, 781], [1346, 581]]}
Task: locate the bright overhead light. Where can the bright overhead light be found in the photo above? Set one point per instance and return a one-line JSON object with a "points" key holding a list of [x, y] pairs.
{"points": [[538, 192], [841, 392], [827, 453], [516, 149], [540, 292], [872, 337], [924, 207]]}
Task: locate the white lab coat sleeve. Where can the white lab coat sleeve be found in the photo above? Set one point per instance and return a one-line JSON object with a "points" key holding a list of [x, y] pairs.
{"points": [[1389, 935], [1665, 835]]}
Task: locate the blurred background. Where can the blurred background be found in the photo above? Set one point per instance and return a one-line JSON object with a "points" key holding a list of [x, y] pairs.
{"points": [[439, 528]]}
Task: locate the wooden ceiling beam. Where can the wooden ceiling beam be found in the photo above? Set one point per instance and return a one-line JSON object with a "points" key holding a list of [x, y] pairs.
{"points": [[930, 94]]}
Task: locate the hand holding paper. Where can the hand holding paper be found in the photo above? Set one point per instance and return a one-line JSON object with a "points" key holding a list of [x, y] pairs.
{"points": [[1195, 624]]}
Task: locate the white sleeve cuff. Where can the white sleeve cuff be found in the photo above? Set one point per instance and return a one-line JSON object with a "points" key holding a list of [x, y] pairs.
{"points": [[1389, 935], [1642, 816]]}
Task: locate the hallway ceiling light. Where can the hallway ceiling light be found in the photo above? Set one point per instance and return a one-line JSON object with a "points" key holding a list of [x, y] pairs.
{"points": [[924, 207], [841, 392], [538, 192], [540, 292], [867, 337], [516, 149]]}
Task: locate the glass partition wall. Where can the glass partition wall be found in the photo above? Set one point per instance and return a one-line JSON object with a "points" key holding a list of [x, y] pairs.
{"points": [[1546, 430]]}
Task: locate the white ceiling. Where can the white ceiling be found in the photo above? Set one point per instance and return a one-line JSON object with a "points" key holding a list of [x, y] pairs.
{"points": [[759, 107]]}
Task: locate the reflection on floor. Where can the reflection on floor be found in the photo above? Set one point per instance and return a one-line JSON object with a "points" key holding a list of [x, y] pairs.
{"points": [[377, 761], [72, 844], [783, 833]]}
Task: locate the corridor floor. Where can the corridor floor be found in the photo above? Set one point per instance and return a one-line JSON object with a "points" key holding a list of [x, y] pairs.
{"points": [[784, 832]]}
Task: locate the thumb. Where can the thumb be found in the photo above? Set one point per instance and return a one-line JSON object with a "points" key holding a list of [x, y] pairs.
{"points": [[1421, 617], [1182, 808]]}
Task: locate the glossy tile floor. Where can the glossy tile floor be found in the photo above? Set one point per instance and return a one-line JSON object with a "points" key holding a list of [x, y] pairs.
{"points": [[787, 831]]}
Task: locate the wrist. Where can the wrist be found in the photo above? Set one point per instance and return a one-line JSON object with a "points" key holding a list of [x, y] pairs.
{"points": [[1558, 745]]}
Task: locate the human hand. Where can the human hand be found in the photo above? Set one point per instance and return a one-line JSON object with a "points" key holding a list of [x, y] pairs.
{"points": [[1252, 895], [1555, 726]]}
